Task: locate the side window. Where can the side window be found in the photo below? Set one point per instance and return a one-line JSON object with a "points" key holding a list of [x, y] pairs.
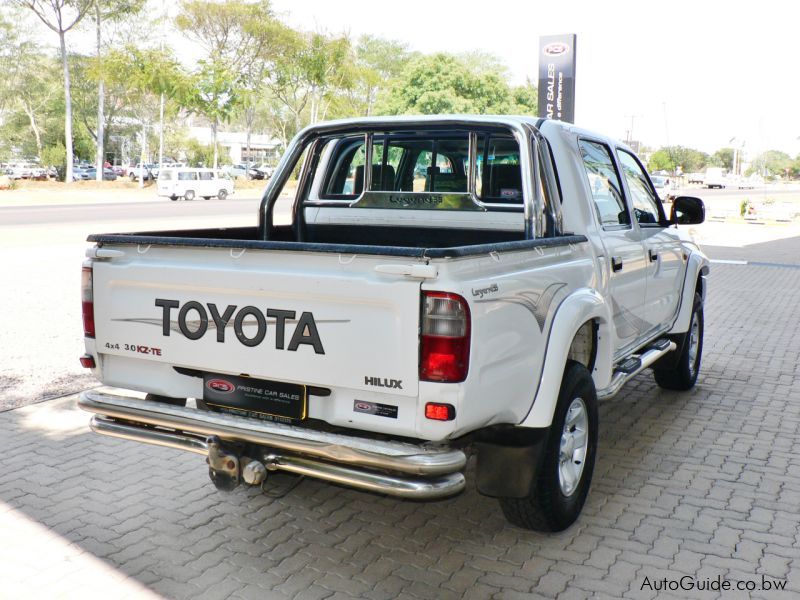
{"points": [[499, 178], [605, 184], [643, 197], [346, 179], [206, 175], [187, 176], [385, 166], [422, 169]]}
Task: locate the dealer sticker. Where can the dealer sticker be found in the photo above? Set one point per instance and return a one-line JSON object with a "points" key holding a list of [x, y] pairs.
{"points": [[374, 408]]}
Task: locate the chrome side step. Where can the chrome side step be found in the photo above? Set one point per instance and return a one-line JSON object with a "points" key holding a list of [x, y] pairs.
{"points": [[631, 367]]}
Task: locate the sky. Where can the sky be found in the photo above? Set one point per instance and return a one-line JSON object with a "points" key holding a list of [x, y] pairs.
{"points": [[693, 73]]}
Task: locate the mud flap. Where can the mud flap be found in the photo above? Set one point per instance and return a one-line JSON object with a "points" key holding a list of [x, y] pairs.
{"points": [[508, 471]]}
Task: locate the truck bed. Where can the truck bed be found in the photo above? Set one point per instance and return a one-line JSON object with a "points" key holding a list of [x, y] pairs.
{"points": [[411, 242]]}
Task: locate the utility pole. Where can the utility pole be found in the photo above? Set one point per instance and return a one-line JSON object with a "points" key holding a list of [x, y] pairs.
{"points": [[161, 110], [630, 139]]}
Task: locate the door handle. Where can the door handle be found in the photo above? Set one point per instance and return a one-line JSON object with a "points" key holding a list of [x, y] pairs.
{"points": [[616, 263], [653, 255]]}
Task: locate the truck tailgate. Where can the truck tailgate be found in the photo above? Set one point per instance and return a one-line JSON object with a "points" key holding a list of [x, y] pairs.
{"points": [[319, 319]]}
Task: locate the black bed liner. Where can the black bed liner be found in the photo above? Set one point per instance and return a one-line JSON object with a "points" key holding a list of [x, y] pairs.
{"points": [[234, 238]]}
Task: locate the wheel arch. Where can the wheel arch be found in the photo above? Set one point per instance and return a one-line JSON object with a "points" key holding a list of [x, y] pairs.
{"points": [[697, 271], [583, 307]]}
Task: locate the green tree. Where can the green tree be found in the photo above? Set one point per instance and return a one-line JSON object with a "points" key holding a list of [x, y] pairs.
{"points": [[669, 158], [661, 160], [443, 83], [146, 74], [375, 63], [722, 158], [525, 99], [213, 93], [30, 84], [115, 11], [772, 163], [61, 16], [238, 39], [309, 73]]}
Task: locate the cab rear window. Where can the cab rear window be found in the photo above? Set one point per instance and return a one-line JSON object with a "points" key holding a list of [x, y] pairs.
{"points": [[425, 163]]}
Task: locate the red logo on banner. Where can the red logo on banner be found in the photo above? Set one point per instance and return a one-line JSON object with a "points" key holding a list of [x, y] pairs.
{"points": [[221, 386], [555, 49]]}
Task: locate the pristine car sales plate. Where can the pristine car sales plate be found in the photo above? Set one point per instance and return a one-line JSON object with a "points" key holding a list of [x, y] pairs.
{"points": [[257, 398]]}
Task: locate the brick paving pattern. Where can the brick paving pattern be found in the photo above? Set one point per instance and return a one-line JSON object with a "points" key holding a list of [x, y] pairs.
{"points": [[701, 484]]}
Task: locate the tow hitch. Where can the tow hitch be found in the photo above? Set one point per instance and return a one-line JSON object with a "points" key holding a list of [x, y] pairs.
{"points": [[227, 468], [223, 465]]}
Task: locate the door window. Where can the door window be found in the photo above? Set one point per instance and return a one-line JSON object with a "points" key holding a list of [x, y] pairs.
{"points": [[643, 197], [605, 184]]}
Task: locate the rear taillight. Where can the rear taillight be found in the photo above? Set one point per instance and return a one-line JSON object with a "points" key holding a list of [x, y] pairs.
{"points": [[87, 302], [444, 355]]}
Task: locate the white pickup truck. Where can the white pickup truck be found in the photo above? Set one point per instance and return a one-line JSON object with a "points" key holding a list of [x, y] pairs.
{"points": [[475, 290]]}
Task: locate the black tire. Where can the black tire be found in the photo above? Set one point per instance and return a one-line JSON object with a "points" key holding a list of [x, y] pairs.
{"points": [[683, 375], [173, 198], [166, 400], [132, 176], [206, 197], [222, 194], [188, 195], [548, 507]]}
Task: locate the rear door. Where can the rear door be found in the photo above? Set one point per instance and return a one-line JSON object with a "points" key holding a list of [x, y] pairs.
{"points": [[321, 319], [622, 240]]}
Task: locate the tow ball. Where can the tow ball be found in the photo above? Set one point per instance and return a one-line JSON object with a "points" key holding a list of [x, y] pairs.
{"points": [[227, 468]]}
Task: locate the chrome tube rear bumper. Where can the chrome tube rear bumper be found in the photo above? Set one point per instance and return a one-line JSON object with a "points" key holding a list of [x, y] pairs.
{"points": [[406, 470]]}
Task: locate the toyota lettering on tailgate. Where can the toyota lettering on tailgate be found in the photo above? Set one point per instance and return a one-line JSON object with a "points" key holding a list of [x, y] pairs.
{"points": [[193, 323]]}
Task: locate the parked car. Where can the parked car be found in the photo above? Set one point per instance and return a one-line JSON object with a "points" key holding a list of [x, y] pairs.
{"points": [[80, 173], [662, 185], [108, 174], [255, 173], [188, 183], [235, 170], [20, 171], [265, 170], [134, 173], [395, 327]]}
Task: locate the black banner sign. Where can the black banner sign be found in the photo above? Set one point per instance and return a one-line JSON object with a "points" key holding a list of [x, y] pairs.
{"points": [[557, 77], [256, 398]]}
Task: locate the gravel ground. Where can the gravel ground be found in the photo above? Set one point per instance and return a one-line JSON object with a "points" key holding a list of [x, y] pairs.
{"points": [[41, 336]]}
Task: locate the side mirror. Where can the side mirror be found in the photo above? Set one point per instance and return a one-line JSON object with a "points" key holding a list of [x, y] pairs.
{"points": [[687, 210]]}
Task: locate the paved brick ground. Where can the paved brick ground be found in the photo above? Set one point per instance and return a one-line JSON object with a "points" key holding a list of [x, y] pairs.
{"points": [[702, 484]]}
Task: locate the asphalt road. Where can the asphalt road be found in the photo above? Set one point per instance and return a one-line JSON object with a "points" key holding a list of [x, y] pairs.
{"points": [[157, 210]]}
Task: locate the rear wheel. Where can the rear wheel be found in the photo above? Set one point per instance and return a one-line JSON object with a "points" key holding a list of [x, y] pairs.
{"points": [[222, 194], [562, 483], [173, 197], [683, 375], [188, 195]]}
